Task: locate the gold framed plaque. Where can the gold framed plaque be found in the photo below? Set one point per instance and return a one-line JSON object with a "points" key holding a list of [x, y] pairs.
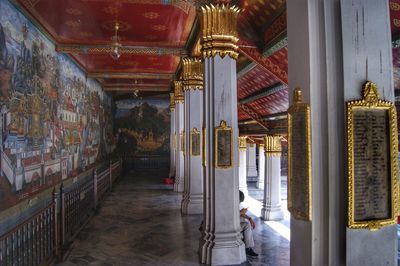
{"points": [[203, 144], [371, 161], [195, 140], [299, 158], [223, 146]]}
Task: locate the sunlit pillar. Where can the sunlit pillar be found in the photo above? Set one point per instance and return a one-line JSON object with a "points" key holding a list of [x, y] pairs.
{"points": [[221, 243], [242, 165], [180, 145], [172, 139], [346, 43], [251, 160], [192, 201], [261, 166], [272, 208]]}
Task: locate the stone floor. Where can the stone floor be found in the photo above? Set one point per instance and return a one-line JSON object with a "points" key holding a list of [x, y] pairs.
{"points": [[139, 223]]}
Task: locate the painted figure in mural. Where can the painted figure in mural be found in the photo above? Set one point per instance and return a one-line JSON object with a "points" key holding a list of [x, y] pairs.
{"points": [[6, 66], [23, 74]]}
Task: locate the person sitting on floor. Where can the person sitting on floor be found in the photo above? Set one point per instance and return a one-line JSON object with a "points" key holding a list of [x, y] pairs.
{"points": [[247, 224]]}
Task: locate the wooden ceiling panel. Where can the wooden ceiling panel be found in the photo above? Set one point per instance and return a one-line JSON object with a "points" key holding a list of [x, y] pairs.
{"points": [[253, 81], [142, 22], [128, 63], [272, 104]]}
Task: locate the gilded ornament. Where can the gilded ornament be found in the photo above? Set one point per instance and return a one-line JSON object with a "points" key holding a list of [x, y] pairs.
{"points": [[396, 22], [105, 49], [243, 143], [159, 27], [172, 101], [382, 142], [272, 146], [151, 15], [179, 96], [219, 30], [192, 73], [394, 6]]}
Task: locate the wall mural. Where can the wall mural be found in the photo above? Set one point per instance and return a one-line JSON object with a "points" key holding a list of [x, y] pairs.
{"points": [[143, 126], [54, 122]]}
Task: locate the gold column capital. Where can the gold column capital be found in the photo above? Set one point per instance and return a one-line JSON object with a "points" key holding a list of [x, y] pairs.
{"points": [[243, 143], [219, 30], [192, 73], [272, 146], [172, 101], [179, 97]]}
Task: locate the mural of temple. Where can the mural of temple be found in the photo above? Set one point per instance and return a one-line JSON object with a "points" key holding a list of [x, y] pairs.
{"points": [[55, 121], [199, 132]]}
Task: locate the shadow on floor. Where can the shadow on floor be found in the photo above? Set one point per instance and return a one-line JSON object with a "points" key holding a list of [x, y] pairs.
{"points": [[139, 223]]}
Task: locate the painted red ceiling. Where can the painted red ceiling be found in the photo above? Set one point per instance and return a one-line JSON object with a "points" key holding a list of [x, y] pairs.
{"points": [[272, 104], [253, 81], [242, 115], [256, 16], [128, 63], [395, 16], [394, 6], [142, 22]]}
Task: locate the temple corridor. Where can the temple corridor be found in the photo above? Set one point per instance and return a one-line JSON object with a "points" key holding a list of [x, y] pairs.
{"points": [[140, 223]]}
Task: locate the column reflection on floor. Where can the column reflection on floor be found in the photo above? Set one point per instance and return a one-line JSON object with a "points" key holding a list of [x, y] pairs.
{"points": [[139, 223]]}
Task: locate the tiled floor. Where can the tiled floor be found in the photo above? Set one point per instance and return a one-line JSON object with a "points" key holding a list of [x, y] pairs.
{"points": [[140, 223]]}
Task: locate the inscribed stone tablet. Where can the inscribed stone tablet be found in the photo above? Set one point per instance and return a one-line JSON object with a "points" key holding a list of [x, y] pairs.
{"points": [[299, 178], [372, 170], [195, 143], [224, 142]]}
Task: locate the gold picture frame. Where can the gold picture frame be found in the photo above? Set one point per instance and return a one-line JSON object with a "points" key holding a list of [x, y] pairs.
{"points": [[371, 161], [195, 142], [223, 148], [299, 158]]}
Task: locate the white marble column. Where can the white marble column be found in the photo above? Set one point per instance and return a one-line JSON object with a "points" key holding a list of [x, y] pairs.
{"points": [[272, 207], [179, 110], [335, 47], [261, 166], [251, 160], [221, 243], [192, 201], [242, 165], [172, 140]]}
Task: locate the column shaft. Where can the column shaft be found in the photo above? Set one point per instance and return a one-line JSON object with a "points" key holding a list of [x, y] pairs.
{"points": [[243, 165], [172, 166], [221, 243], [179, 109], [261, 166], [272, 208], [251, 160], [192, 202]]}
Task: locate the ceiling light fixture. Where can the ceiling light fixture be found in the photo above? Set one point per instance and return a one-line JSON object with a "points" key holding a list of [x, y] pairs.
{"points": [[116, 44]]}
